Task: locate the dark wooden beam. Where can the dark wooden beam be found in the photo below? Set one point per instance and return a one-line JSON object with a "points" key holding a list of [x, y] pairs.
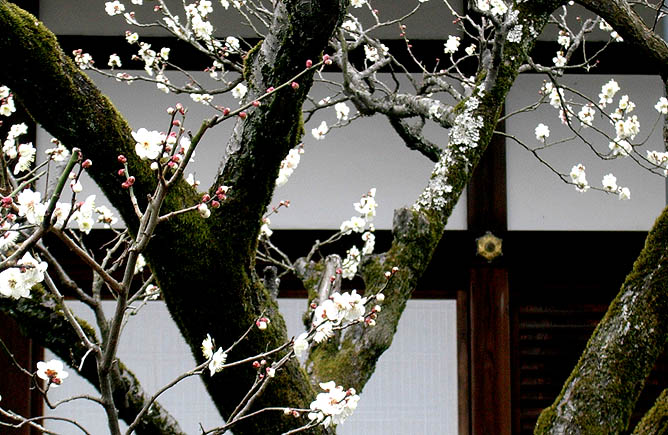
{"points": [[490, 352]]}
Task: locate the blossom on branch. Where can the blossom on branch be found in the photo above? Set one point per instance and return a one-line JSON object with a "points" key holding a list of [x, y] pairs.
{"points": [[52, 372]]}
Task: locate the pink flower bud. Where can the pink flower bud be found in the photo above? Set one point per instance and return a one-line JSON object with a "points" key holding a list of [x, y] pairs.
{"points": [[215, 204], [226, 111], [87, 164], [309, 63], [131, 180], [256, 364], [270, 89], [176, 123], [256, 103], [206, 197], [122, 158], [125, 185], [294, 85], [121, 172], [326, 59], [243, 115], [339, 271], [7, 201]]}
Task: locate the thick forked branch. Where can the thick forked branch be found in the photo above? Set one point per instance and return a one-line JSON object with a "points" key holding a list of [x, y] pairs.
{"points": [[204, 267], [418, 230], [600, 393]]}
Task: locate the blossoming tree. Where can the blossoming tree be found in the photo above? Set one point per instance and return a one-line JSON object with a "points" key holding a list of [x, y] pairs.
{"points": [[166, 213]]}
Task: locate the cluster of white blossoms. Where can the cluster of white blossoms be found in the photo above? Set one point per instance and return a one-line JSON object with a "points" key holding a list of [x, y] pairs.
{"points": [[564, 39], [333, 406], [52, 372], [340, 309], [288, 165], [515, 34], [609, 182], [83, 60], [16, 282], [342, 111], [12, 149], [495, 7], [216, 359], [451, 45], [366, 208], [7, 106], [373, 54], [152, 145], [357, 3], [197, 13], [608, 92]]}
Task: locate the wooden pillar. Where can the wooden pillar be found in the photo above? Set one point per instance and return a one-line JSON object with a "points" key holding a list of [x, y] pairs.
{"points": [[490, 352], [489, 308], [15, 390]]}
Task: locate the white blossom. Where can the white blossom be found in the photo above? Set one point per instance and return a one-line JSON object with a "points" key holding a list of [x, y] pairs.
{"points": [[579, 178], [239, 91], [662, 106], [342, 111], [542, 132], [610, 183], [320, 131], [451, 45]]}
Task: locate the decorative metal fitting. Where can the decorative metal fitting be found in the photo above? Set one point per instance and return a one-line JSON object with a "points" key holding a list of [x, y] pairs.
{"points": [[489, 246]]}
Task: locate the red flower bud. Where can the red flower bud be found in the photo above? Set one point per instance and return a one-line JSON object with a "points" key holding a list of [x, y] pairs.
{"points": [[256, 103], [121, 172], [125, 185], [243, 115], [226, 111], [122, 158], [87, 164], [130, 180]]}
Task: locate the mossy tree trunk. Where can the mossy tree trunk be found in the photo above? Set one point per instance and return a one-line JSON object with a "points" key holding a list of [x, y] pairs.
{"points": [[204, 267], [601, 392]]}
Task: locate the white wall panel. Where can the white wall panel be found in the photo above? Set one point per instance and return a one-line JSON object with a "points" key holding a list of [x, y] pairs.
{"points": [[414, 389], [539, 200]]}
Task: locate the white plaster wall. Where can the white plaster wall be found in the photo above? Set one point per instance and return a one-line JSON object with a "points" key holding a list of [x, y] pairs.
{"points": [[332, 175], [538, 200], [414, 389]]}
